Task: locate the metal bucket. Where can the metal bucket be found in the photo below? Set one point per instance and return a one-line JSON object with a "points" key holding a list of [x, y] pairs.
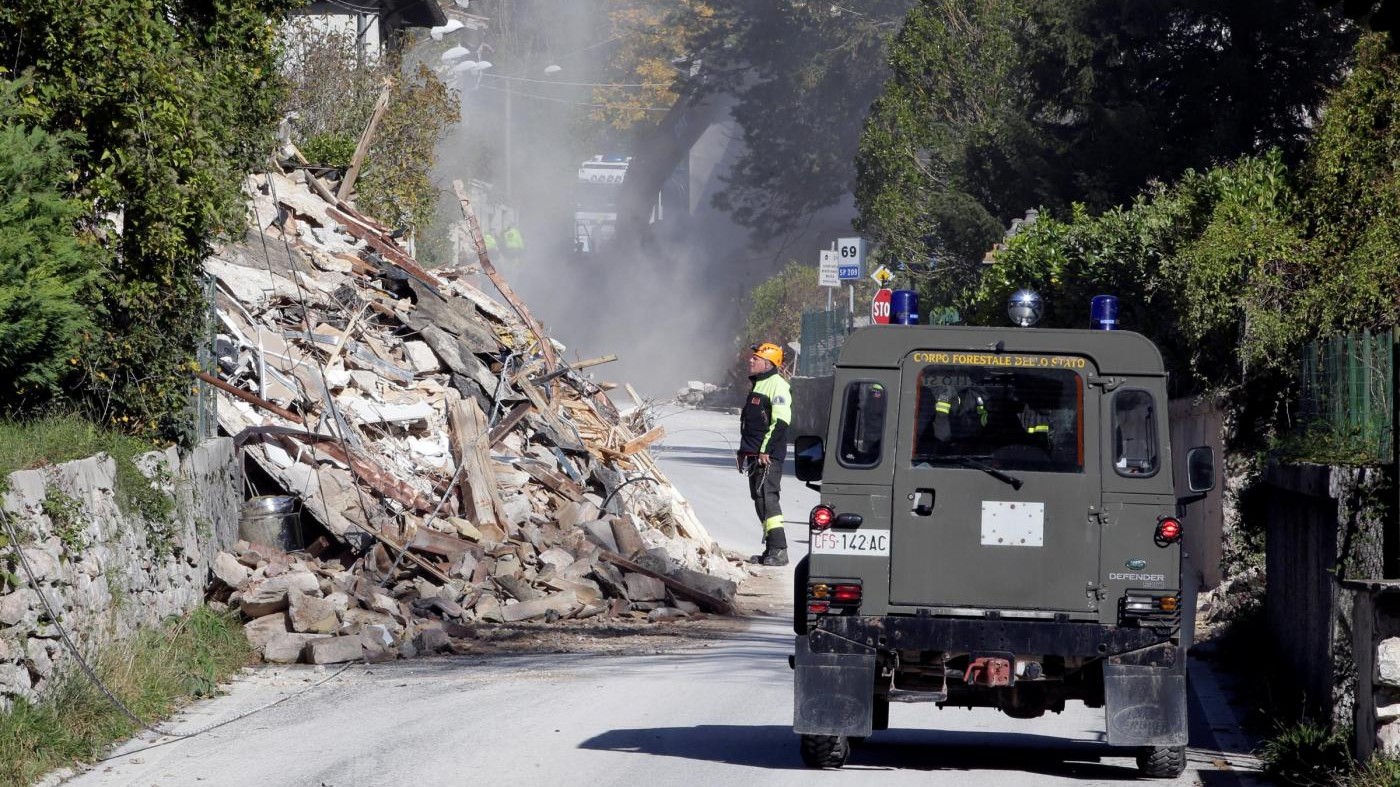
{"points": [[272, 520]]}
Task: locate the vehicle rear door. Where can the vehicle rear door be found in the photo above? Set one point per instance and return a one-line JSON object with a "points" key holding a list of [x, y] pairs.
{"points": [[996, 492]]}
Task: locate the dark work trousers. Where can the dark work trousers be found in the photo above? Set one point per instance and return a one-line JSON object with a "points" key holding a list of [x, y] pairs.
{"points": [[763, 488]]}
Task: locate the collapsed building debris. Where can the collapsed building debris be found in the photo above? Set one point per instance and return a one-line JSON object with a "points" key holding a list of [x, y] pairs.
{"points": [[460, 470]]}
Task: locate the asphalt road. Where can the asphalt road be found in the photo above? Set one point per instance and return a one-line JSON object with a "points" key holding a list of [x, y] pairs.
{"points": [[718, 714]]}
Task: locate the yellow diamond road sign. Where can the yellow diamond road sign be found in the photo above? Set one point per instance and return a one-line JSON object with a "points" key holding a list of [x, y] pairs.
{"points": [[882, 275]]}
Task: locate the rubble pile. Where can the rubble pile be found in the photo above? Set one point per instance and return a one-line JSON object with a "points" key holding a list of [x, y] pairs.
{"points": [[460, 471]]}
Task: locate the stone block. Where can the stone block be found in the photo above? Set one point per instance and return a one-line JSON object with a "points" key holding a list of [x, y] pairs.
{"points": [[666, 614], [488, 609], [600, 532], [261, 601], [309, 614], [559, 558], [1388, 661], [560, 603], [17, 608], [421, 357], [516, 510], [261, 631], [641, 587], [433, 640], [378, 644], [229, 571], [288, 648], [335, 650], [1388, 739], [43, 561], [715, 586]]}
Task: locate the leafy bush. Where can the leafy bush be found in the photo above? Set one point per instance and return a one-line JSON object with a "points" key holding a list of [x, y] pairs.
{"points": [[330, 149], [47, 264], [176, 104]]}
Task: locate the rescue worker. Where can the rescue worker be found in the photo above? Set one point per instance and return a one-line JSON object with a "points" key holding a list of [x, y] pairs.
{"points": [[514, 241], [763, 427], [490, 242]]}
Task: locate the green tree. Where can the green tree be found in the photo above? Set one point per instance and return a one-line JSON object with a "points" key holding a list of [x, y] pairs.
{"points": [[47, 262], [777, 304], [996, 106], [1353, 197], [177, 101]]}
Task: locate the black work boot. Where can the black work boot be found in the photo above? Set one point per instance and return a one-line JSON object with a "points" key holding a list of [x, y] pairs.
{"points": [[774, 549]]}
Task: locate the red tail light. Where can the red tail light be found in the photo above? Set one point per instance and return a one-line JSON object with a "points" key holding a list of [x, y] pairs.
{"points": [[821, 518], [845, 594], [1168, 531]]}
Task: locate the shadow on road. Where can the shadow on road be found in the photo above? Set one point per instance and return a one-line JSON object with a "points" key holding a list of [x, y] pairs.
{"points": [[773, 746]]}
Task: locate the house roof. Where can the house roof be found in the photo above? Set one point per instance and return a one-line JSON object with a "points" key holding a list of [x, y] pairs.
{"points": [[412, 13]]}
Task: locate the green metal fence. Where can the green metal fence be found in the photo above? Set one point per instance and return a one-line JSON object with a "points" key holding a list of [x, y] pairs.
{"points": [[823, 333], [1347, 387]]}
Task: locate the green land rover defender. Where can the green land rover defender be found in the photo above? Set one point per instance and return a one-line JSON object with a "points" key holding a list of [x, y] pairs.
{"points": [[998, 527]]}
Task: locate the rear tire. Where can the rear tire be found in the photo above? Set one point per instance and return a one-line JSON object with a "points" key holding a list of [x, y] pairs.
{"points": [[1162, 762], [825, 751]]}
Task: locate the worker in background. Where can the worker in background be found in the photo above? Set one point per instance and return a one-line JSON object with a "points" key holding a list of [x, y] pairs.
{"points": [[514, 243], [490, 241], [763, 446]]}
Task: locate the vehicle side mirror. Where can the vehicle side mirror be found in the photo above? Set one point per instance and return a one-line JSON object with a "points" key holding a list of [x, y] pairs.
{"points": [[1200, 469], [809, 455]]}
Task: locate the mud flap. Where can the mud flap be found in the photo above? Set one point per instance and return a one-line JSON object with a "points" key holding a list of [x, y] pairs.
{"points": [[1144, 706], [833, 693]]}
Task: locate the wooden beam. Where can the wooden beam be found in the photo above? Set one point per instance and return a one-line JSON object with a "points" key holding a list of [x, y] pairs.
{"points": [[546, 346], [594, 361], [480, 496], [352, 174], [391, 253], [706, 601], [500, 430], [252, 399]]}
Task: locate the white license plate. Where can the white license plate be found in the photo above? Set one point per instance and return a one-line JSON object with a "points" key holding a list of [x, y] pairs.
{"points": [[851, 542]]}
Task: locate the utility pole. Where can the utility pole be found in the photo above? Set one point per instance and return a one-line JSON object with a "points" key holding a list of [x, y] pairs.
{"points": [[507, 140]]}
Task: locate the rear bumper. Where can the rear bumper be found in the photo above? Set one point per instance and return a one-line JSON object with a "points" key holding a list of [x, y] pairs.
{"points": [[870, 634]]}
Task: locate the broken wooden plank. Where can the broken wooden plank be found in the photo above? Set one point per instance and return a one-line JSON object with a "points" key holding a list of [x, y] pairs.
{"points": [[353, 173], [552, 480], [441, 544], [638, 443], [500, 430], [480, 496], [706, 601], [593, 362], [391, 253], [546, 346]]}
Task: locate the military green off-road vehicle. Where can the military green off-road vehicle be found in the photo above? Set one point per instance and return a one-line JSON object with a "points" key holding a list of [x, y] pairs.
{"points": [[997, 528]]}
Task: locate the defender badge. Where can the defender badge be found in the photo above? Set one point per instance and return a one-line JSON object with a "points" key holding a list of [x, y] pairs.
{"points": [[1136, 564]]}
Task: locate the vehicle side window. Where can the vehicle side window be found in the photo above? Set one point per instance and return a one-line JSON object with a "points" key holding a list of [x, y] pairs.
{"points": [[1135, 446], [862, 424]]}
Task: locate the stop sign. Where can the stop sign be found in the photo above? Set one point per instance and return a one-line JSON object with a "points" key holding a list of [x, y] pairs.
{"points": [[880, 306]]}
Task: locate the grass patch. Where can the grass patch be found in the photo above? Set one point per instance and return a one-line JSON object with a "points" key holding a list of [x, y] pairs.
{"points": [[1307, 754], [154, 673], [40, 442]]}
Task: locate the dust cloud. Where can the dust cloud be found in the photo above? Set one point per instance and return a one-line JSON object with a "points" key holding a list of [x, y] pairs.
{"points": [[671, 313]]}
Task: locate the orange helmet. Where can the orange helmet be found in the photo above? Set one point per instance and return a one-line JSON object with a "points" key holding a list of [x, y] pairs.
{"points": [[769, 352]]}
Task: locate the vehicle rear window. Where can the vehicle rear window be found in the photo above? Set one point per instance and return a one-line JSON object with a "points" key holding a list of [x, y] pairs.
{"points": [[862, 424], [1006, 418], [1135, 450]]}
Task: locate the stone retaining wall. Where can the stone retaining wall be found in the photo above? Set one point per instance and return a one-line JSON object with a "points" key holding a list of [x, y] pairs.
{"points": [[106, 572]]}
